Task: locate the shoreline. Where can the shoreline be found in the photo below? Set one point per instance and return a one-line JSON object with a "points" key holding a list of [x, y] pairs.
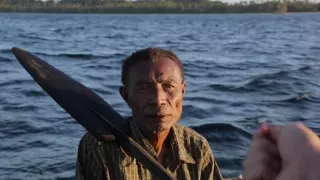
{"points": [[161, 7], [156, 13]]}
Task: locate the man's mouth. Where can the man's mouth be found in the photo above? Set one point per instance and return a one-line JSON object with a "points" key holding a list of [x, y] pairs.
{"points": [[156, 115]]}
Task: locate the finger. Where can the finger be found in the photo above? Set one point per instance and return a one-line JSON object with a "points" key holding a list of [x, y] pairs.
{"points": [[259, 170], [273, 150], [264, 129], [255, 173], [271, 175], [260, 173], [264, 163], [271, 169], [267, 160], [275, 164], [263, 145], [263, 132], [274, 132], [257, 160]]}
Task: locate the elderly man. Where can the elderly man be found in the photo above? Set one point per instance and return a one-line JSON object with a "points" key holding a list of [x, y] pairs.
{"points": [[153, 87]]}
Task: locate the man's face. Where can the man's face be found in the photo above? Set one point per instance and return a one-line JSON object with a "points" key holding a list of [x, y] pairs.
{"points": [[154, 93]]}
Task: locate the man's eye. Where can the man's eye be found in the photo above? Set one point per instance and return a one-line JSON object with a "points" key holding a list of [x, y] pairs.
{"points": [[168, 86]]}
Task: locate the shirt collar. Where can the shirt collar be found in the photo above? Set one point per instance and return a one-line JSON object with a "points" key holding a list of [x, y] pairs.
{"points": [[177, 144], [140, 139]]}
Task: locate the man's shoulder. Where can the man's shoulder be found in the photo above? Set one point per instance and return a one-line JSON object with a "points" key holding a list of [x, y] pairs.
{"points": [[90, 141], [190, 136]]}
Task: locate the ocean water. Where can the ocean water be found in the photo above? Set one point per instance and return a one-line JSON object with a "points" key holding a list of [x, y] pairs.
{"points": [[241, 70]]}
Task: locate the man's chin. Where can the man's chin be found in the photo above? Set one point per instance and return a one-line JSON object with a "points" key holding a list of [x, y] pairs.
{"points": [[158, 118], [159, 128], [157, 125]]}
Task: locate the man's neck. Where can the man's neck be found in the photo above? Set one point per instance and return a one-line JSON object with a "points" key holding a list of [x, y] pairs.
{"points": [[157, 141]]}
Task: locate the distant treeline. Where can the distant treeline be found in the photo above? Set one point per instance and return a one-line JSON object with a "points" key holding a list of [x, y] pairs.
{"points": [[197, 6]]}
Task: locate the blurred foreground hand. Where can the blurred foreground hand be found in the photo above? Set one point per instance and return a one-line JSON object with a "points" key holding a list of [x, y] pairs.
{"points": [[289, 152]]}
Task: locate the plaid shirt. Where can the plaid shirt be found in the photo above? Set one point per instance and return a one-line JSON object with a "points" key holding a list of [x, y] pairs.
{"points": [[190, 157]]}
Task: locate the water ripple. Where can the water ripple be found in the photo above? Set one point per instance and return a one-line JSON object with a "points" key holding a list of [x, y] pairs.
{"points": [[240, 70]]}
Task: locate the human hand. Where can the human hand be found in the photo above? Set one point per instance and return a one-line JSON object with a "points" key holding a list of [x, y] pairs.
{"points": [[262, 161], [299, 149]]}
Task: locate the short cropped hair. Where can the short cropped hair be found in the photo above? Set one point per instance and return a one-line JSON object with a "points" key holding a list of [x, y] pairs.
{"points": [[148, 54]]}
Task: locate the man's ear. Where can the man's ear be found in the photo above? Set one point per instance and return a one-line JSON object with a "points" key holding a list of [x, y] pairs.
{"points": [[184, 87], [123, 93]]}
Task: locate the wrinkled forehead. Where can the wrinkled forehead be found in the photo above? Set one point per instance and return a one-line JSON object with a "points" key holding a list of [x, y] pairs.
{"points": [[159, 70]]}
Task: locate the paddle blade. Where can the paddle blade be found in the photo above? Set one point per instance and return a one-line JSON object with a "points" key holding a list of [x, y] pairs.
{"points": [[78, 100]]}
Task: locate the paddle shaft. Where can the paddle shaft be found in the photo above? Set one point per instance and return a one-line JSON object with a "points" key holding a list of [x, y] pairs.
{"points": [[135, 150]]}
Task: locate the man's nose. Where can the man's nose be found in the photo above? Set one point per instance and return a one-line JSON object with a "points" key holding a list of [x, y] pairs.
{"points": [[159, 96]]}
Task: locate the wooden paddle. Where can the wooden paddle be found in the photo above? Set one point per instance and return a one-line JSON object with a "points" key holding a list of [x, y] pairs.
{"points": [[86, 107]]}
